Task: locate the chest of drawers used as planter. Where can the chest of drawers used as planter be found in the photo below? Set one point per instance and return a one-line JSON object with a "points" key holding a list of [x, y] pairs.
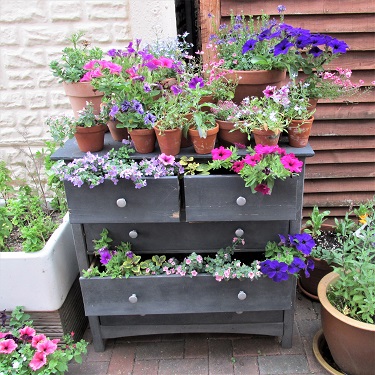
{"points": [[178, 216]]}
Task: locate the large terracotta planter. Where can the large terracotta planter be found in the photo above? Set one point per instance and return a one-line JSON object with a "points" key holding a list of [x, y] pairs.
{"points": [[351, 343], [143, 140], [229, 137], [253, 82], [118, 134], [81, 92], [266, 137], [204, 145], [169, 140], [90, 139], [299, 132]]}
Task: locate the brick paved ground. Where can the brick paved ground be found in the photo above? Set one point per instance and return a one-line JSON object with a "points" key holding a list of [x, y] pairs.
{"points": [[210, 354]]}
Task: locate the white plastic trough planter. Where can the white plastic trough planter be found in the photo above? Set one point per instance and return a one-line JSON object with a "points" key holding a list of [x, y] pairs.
{"points": [[39, 281]]}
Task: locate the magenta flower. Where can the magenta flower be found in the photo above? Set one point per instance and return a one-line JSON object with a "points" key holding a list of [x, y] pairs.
{"points": [[263, 188], [38, 361], [166, 159], [253, 159], [196, 81], [7, 346], [27, 331], [238, 165], [221, 153], [291, 163]]}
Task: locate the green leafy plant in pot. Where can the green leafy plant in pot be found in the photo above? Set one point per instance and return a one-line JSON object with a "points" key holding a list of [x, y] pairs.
{"points": [[348, 302]]}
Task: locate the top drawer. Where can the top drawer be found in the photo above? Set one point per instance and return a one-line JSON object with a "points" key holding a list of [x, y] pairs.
{"points": [[159, 201], [225, 198]]}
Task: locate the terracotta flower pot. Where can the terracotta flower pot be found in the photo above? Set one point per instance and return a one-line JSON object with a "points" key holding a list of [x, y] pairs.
{"points": [[350, 342], [90, 139], [266, 137], [227, 137], [299, 132], [81, 92], [143, 139], [118, 134], [169, 140], [204, 145], [253, 82]]}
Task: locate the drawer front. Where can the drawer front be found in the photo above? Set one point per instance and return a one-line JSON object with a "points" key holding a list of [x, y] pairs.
{"points": [[108, 203], [187, 237], [175, 294], [225, 198]]}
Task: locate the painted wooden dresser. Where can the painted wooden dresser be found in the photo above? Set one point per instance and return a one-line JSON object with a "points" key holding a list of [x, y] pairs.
{"points": [[178, 216]]}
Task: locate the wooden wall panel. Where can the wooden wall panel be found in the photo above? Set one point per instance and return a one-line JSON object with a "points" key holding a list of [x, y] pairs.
{"points": [[342, 172]]}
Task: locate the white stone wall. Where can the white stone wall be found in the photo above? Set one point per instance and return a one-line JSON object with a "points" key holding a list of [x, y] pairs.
{"points": [[32, 33]]}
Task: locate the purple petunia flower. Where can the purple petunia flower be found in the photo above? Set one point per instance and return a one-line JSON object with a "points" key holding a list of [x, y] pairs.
{"points": [[149, 119], [296, 265], [303, 242], [249, 45], [195, 81], [138, 107], [338, 46], [105, 255], [114, 111], [315, 51], [310, 265], [275, 270], [125, 105], [129, 254], [176, 90], [283, 47]]}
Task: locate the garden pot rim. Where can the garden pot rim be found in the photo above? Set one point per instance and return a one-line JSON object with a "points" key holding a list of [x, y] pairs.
{"points": [[326, 281]]}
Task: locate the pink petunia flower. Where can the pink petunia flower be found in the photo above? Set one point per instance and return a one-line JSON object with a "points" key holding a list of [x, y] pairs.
{"points": [[39, 360], [3, 334], [28, 331], [37, 339], [194, 273], [46, 347], [291, 163], [166, 159], [7, 346], [221, 153], [252, 159], [264, 189], [238, 165]]}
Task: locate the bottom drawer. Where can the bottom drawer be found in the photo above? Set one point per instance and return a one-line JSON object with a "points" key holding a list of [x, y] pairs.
{"points": [[175, 294]]}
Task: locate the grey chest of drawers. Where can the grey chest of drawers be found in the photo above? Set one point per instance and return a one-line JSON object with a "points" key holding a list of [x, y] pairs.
{"points": [[179, 216]]}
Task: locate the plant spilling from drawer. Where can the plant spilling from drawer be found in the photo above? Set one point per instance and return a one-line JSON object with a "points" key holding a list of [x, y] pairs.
{"points": [[283, 259], [24, 352], [93, 169], [259, 168]]}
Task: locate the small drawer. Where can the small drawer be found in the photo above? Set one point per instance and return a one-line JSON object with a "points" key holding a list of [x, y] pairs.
{"points": [[159, 201], [225, 198], [173, 294], [188, 237]]}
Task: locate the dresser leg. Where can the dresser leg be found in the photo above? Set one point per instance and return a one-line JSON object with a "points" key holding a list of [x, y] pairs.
{"points": [[99, 342]]}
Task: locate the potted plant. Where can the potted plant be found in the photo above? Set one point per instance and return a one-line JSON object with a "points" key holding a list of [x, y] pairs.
{"points": [[25, 351], [265, 117], [227, 113], [261, 44], [88, 128], [70, 69], [347, 296], [259, 167]]}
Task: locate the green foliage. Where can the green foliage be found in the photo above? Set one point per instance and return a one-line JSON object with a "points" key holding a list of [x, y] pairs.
{"points": [[354, 293], [5, 227], [5, 181], [70, 66], [314, 223]]}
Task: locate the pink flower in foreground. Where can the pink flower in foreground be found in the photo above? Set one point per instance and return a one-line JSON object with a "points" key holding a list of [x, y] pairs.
{"points": [[252, 159], [166, 159], [3, 334], [37, 339], [238, 165], [291, 163], [194, 273], [27, 331], [221, 153], [7, 346], [38, 361], [46, 347], [264, 189]]}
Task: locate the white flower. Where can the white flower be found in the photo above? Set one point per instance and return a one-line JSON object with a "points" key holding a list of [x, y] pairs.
{"points": [[16, 365]]}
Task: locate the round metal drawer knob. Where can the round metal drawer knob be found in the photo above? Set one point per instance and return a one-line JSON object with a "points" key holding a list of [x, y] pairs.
{"points": [[239, 232], [133, 234], [241, 201], [121, 202], [241, 295], [133, 298]]}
